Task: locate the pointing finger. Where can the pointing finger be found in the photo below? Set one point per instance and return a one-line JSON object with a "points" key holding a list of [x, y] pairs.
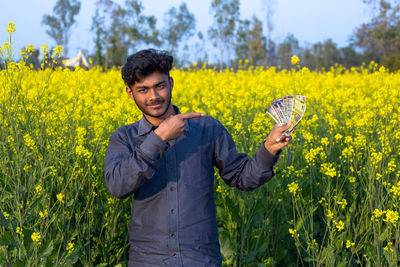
{"points": [[190, 115]]}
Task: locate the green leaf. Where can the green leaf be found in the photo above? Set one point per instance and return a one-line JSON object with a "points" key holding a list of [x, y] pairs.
{"points": [[308, 259], [69, 204], [384, 235], [7, 239], [299, 224], [3, 220], [45, 251], [72, 257], [234, 210]]}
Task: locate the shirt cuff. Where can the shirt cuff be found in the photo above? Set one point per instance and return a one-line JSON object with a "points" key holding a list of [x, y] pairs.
{"points": [[266, 158], [153, 146]]}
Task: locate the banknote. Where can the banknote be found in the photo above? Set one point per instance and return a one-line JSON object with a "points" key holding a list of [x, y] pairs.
{"points": [[289, 108], [271, 111], [299, 107]]}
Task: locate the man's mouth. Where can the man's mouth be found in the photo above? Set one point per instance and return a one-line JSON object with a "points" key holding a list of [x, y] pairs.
{"points": [[155, 104]]}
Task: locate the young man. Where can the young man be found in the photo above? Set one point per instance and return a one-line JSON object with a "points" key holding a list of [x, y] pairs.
{"points": [[167, 161]]}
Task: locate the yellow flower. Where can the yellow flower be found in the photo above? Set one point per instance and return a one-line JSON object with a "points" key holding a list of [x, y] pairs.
{"points": [[391, 216], [342, 202], [295, 60], [43, 214], [395, 190], [19, 231], [338, 136], [11, 28], [219, 189], [29, 141], [293, 232], [389, 247], [339, 225], [329, 214], [377, 214], [60, 197], [328, 169], [35, 237], [38, 189], [70, 247], [352, 179], [6, 215], [293, 187], [58, 50], [349, 244], [324, 141]]}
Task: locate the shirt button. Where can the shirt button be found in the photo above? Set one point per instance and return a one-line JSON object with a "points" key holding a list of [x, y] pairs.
{"points": [[174, 254], [172, 235], [172, 188], [172, 211]]}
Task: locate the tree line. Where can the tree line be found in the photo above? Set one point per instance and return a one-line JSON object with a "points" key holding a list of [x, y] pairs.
{"points": [[121, 29]]}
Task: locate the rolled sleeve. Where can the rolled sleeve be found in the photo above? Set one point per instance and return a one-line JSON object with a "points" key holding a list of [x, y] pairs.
{"points": [[236, 169], [127, 167]]}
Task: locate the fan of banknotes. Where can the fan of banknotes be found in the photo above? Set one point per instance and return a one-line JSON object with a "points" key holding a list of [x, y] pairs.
{"points": [[286, 109]]}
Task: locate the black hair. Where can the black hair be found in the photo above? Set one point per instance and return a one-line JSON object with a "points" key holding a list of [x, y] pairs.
{"points": [[144, 63]]}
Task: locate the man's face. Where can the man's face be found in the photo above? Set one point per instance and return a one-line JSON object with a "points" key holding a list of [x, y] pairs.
{"points": [[152, 94]]}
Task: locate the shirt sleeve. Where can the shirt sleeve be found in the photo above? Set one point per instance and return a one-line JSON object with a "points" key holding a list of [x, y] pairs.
{"points": [[236, 169], [126, 168]]}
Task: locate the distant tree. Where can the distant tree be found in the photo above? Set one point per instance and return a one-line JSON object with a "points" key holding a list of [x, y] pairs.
{"points": [[326, 54], [269, 12], [350, 57], [117, 40], [123, 29], [308, 59], [61, 21], [251, 43], [223, 29], [199, 54], [379, 40], [180, 24], [137, 27], [288, 48], [99, 31]]}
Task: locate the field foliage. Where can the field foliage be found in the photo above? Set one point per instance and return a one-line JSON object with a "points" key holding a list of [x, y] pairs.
{"points": [[333, 202]]}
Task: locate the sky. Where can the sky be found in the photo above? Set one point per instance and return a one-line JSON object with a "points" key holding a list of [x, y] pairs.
{"points": [[310, 21]]}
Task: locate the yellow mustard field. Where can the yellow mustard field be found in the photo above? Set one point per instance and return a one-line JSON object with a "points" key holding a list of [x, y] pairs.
{"points": [[334, 200]]}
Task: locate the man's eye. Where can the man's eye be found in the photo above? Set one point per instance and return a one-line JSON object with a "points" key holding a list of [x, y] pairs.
{"points": [[161, 86]]}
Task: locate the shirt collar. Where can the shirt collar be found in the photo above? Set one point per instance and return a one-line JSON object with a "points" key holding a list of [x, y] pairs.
{"points": [[145, 126]]}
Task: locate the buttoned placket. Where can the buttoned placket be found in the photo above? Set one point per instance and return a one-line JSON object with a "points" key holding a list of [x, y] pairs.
{"points": [[172, 200]]}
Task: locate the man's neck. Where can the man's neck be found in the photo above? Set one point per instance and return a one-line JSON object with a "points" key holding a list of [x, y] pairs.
{"points": [[157, 121]]}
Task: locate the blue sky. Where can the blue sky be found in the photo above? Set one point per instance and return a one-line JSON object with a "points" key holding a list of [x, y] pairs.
{"points": [[309, 20]]}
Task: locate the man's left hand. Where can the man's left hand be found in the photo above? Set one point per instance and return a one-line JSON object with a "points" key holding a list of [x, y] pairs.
{"points": [[276, 140]]}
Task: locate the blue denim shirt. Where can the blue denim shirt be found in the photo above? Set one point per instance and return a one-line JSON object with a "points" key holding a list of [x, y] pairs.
{"points": [[173, 221]]}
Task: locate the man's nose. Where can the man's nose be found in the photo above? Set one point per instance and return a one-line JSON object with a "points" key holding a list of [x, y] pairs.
{"points": [[153, 94]]}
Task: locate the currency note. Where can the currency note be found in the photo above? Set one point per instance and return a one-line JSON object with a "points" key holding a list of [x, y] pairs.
{"points": [[278, 106], [271, 111], [299, 107], [288, 104]]}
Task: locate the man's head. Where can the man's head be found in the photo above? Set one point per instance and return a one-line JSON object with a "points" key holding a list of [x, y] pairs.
{"points": [[147, 80], [145, 62]]}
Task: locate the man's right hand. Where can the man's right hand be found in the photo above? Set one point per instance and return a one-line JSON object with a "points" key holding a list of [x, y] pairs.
{"points": [[173, 127]]}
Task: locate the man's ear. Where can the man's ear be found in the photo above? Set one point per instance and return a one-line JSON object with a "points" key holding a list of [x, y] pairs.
{"points": [[129, 91], [171, 82]]}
